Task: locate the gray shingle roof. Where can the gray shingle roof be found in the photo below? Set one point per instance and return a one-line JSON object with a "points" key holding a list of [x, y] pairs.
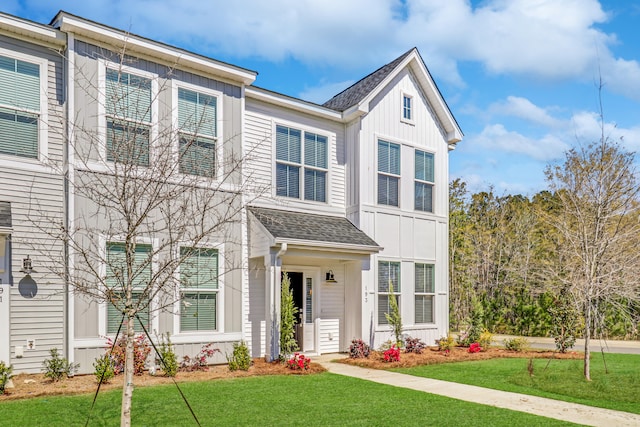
{"points": [[312, 227], [5, 214], [359, 90]]}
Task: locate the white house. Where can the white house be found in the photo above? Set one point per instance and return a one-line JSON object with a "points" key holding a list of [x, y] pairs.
{"points": [[345, 197]]}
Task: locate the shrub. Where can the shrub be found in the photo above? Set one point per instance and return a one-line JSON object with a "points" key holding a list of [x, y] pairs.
{"points": [[518, 344], [200, 361], [57, 367], [474, 348], [565, 322], [103, 368], [167, 356], [141, 350], [414, 345], [473, 332], [6, 372], [298, 362], [392, 354], [240, 358], [445, 343], [485, 340], [394, 319], [359, 349]]}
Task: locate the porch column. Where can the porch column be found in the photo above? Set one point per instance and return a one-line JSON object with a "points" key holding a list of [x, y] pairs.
{"points": [[273, 269]]}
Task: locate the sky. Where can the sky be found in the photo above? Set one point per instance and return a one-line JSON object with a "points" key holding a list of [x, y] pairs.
{"points": [[525, 79]]}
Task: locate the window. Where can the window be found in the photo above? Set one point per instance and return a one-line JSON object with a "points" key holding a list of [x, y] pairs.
{"points": [[424, 181], [388, 276], [294, 157], [197, 121], [19, 107], [388, 173], [117, 279], [128, 107], [406, 108], [424, 293], [199, 289]]}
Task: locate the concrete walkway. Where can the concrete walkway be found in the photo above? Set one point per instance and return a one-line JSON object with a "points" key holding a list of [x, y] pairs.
{"points": [[565, 411]]}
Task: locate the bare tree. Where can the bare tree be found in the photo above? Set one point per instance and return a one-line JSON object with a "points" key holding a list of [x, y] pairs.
{"points": [[597, 221], [155, 189]]}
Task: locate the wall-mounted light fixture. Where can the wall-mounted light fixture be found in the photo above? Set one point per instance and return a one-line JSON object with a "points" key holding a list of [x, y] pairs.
{"points": [[27, 266], [330, 277]]}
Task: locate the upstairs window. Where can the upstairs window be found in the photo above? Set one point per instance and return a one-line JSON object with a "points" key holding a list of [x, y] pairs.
{"points": [[117, 279], [424, 293], [407, 108], [388, 173], [423, 197], [19, 107], [128, 107], [199, 290], [294, 158], [197, 121], [388, 286]]}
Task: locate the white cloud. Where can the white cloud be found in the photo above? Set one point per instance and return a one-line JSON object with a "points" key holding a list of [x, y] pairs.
{"points": [[587, 128], [497, 137], [523, 108]]}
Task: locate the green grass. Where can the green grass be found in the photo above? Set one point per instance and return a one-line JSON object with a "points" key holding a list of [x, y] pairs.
{"points": [[310, 400], [561, 379]]}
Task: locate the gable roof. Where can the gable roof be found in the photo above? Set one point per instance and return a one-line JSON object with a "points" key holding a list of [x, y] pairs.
{"points": [[299, 227], [356, 98]]}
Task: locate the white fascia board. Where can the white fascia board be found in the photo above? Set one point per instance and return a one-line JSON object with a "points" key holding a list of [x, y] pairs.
{"points": [[292, 103], [154, 49], [16, 26], [329, 246]]}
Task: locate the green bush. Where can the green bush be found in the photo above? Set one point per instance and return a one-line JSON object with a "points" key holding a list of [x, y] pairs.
{"points": [[58, 367], [518, 344], [240, 359], [445, 343], [167, 356], [485, 340], [6, 372], [288, 312], [103, 369]]}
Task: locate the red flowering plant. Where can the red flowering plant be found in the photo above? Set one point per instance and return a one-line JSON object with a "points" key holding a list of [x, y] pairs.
{"points": [[475, 348], [392, 354], [299, 362], [141, 350]]}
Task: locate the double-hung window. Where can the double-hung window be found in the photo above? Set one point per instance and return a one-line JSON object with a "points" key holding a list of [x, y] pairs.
{"points": [[197, 121], [424, 293], [388, 173], [299, 153], [407, 113], [388, 287], [128, 107], [199, 289], [423, 196], [19, 107], [117, 281]]}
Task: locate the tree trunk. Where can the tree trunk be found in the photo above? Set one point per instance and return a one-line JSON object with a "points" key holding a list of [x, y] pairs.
{"points": [[127, 388], [587, 343]]}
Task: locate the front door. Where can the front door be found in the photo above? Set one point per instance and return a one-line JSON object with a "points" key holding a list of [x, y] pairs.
{"points": [[302, 290]]}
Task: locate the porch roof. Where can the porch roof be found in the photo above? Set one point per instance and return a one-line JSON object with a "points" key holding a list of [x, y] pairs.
{"points": [[313, 229]]}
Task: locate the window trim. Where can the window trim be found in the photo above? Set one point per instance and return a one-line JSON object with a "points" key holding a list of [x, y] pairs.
{"points": [[103, 240], [427, 294], [302, 167], [179, 336], [43, 114], [396, 292], [398, 176], [417, 181], [404, 109], [175, 86], [103, 64]]}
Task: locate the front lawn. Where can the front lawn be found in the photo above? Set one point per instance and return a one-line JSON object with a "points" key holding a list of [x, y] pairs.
{"points": [[561, 379], [308, 400]]}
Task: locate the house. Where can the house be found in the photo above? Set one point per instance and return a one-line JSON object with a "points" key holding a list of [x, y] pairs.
{"points": [[346, 198]]}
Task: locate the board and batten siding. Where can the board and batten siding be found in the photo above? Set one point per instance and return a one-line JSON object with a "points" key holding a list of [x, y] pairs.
{"points": [[260, 121], [35, 188]]}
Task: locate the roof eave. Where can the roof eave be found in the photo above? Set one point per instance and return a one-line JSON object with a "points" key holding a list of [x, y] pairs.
{"points": [[139, 45], [291, 103], [329, 246], [32, 31]]}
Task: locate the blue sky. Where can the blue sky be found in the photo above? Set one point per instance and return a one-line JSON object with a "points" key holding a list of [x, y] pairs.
{"points": [[520, 76]]}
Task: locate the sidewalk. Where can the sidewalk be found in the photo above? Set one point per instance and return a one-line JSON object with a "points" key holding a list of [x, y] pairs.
{"points": [[608, 346], [565, 411]]}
